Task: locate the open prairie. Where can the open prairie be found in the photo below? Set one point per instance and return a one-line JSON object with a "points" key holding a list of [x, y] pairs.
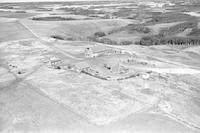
{"points": [[100, 66]]}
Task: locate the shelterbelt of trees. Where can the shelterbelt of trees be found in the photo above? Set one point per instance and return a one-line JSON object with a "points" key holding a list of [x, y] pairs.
{"points": [[52, 18], [156, 40]]}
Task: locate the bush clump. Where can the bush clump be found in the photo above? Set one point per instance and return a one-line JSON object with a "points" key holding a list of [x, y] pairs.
{"points": [[99, 34]]}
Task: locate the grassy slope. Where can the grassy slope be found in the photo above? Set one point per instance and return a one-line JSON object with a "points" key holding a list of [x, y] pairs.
{"points": [[75, 29], [13, 31]]}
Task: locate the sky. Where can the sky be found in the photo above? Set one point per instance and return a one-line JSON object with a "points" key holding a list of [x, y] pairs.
{"points": [[37, 0]]}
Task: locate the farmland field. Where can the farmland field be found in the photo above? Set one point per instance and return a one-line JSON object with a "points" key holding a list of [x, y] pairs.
{"points": [[13, 31]]}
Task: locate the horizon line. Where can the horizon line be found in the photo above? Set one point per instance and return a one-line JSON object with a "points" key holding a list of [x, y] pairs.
{"points": [[24, 1]]}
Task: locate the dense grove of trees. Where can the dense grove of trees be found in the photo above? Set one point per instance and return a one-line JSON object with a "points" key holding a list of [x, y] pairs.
{"points": [[108, 41], [168, 17], [53, 18], [183, 40], [168, 35], [194, 32], [132, 28], [99, 34], [178, 28], [157, 40]]}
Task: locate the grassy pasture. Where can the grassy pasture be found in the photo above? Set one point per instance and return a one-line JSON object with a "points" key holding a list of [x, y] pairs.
{"points": [[7, 14], [74, 29], [20, 15], [4, 13], [13, 31]]}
